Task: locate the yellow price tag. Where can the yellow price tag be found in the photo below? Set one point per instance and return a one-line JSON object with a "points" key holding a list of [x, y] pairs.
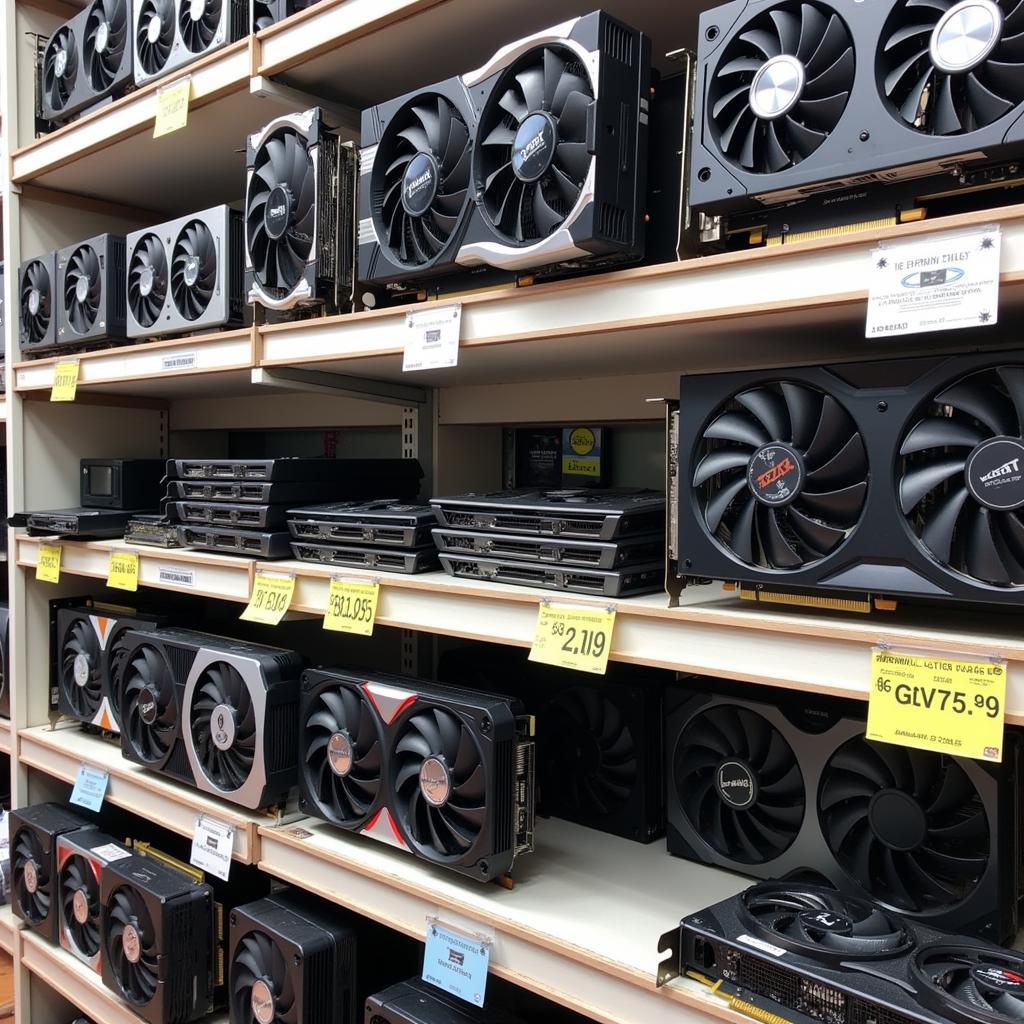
{"points": [[48, 565], [271, 596], [172, 107], [934, 702], [352, 606], [574, 636], [65, 381], [123, 570]]}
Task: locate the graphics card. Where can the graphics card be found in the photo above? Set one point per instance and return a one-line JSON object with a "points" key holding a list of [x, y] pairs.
{"points": [[300, 215], [347, 476], [443, 773], [416, 1002], [276, 493], [187, 274], [896, 478], [767, 790], [384, 523], [153, 530], [37, 323], [385, 559], [220, 513], [90, 286], [86, 60], [218, 714], [251, 543], [94, 523]]}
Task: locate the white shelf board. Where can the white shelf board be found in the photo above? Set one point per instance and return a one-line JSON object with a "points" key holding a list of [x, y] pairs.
{"points": [[6, 734], [580, 926], [62, 751], [9, 924]]}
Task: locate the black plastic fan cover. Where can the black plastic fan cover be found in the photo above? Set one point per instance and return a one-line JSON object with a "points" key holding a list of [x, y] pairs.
{"points": [[738, 783], [80, 669], [193, 269], [342, 754], [149, 714], [106, 35], [131, 945], [532, 157], [258, 959], [977, 983], [198, 21], [961, 483], [60, 67], [595, 760], [36, 302], [223, 723], [908, 825], [781, 86], [421, 179], [83, 289], [281, 210], [948, 67], [439, 784], [29, 861], [782, 475], [80, 904], [154, 34], [147, 280], [823, 923]]}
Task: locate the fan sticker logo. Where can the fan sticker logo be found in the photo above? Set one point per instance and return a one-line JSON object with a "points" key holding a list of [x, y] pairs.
{"points": [[81, 669], [339, 754], [531, 147], [736, 785], [1013, 466], [31, 878], [278, 211], [1000, 978], [130, 944], [262, 1002], [417, 184], [995, 474], [80, 906], [933, 278], [434, 782], [775, 474]]}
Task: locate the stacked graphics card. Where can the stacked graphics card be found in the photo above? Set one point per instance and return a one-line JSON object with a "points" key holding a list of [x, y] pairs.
{"points": [[772, 790], [242, 505], [535, 159], [86, 61], [392, 536], [605, 542], [808, 954], [810, 115], [416, 1002], [443, 773], [897, 478]]}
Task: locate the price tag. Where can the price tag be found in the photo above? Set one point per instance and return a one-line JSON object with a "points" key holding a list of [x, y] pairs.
{"points": [[65, 381], [271, 595], [90, 788], [573, 636], [212, 842], [935, 283], [934, 702], [456, 962], [352, 606], [123, 571], [172, 107], [432, 338], [48, 566]]}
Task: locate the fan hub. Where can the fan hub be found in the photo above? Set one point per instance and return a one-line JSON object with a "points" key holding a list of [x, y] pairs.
{"points": [[340, 754], [31, 876], [60, 63], [777, 87], [278, 212], [148, 707], [262, 1001], [35, 300], [897, 820], [191, 271], [995, 474], [826, 921], [534, 146], [223, 727], [435, 781], [966, 35], [80, 905], [995, 980], [775, 474], [196, 9], [419, 184], [146, 281], [153, 29], [81, 669], [81, 289], [101, 37], [736, 784], [131, 945]]}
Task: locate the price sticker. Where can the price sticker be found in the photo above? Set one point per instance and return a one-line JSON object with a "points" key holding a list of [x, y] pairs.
{"points": [[65, 381], [934, 702], [573, 636], [90, 788], [456, 962], [212, 843], [123, 570], [172, 107], [271, 596], [48, 565], [432, 338], [352, 606]]}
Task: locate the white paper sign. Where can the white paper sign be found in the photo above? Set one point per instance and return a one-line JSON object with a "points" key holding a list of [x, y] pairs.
{"points": [[432, 337], [935, 283], [211, 847]]}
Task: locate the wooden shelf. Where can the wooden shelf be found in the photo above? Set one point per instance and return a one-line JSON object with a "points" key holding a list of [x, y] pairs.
{"points": [[6, 732], [60, 752], [581, 925], [9, 924]]}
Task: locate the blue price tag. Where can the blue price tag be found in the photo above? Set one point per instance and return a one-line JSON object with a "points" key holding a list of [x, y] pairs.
{"points": [[90, 788], [456, 963]]}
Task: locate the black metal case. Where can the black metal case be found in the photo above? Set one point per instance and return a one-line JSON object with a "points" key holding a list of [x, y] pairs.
{"points": [[91, 297], [241, 542], [384, 523], [221, 513], [385, 559], [250, 493], [122, 483], [97, 523]]}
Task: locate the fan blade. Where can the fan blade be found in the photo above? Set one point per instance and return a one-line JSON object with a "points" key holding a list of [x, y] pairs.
{"points": [[740, 66], [770, 410], [762, 40], [939, 432], [741, 536], [834, 80], [940, 528], [825, 112], [834, 428], [719, 461], [984, 404], [981, 554], [720, 501], [573, 159], [945, 120], [1013, 380], [572, 122], [788, 28], [907, 32], [922, 480], [834, 41], [816, 536], [849, 464], [544, 216], [780, 552], [431, 122], [844, 504], [531, 81], [733, 426], [553, 68], [512, 104]]}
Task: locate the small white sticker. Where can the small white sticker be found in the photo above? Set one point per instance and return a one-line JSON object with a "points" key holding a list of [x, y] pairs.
{"points": [[211, 847], [178, 577], [432, 338], [181, 361], [765, 947], [111, 852]]}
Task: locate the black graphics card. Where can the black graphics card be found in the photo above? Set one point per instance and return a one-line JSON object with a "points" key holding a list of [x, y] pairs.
{"points": [[443, 773], [250, 543], [349, 478], [773, 788], [902, 478], [218, 714], [385, 523], [34, 834], [416, 1002], [250, 493], [91, 303], [224, 513], [37, 321], [385, 559]]}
